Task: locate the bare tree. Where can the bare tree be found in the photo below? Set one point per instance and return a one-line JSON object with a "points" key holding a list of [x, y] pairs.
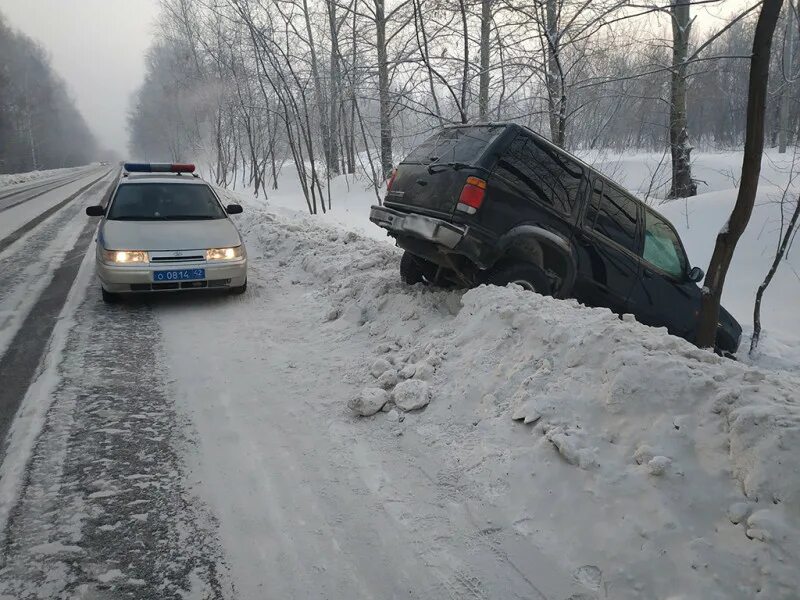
{"points": [[751, 168], [682, 183]]}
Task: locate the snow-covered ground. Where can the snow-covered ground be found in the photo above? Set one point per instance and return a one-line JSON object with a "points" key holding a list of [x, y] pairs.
{"points": [[561, 452]]}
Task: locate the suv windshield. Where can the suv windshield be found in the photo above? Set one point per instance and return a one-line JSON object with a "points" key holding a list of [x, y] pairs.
{"points": [[164, 202], [454, 145], [662, 246]]}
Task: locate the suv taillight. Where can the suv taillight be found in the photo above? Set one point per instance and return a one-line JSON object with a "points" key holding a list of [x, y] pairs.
{"points": [[391, 180], [472, 195]]}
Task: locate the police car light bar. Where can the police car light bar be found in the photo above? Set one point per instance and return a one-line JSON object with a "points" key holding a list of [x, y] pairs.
{"points": [[159, 167]]}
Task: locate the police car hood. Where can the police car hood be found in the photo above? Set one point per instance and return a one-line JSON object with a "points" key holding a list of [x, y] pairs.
{"points": [[168, 235]]}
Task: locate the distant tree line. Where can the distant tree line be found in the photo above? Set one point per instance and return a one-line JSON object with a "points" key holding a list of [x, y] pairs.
{"points": [[40, 128], [344, 86]]}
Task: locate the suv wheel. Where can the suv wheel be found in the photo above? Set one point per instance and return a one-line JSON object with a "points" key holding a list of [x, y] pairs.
{"points": [[527, 275], [410, 270]]}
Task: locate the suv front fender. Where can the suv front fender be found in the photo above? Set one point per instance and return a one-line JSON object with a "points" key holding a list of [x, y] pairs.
{"points": [[536, 244]]}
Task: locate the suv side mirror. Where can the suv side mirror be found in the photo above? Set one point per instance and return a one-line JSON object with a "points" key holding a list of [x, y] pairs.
{"points": [[95, 211], [696, 274], [233, 209]]}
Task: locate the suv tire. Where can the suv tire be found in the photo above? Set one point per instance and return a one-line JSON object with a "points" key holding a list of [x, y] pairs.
{"points": [[527, 275], [239, 289], [410, 271]]}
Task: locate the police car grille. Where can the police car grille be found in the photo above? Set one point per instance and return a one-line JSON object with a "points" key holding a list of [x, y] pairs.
{"points": [[168, 259]]}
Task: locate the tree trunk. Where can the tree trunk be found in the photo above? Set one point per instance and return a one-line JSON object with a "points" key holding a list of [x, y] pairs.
{"points": [[465, 74], [318, 93], [751, 169], [788, 50], [387, 162], [486, 31], [682, 183], [556, 95], [335, 84]]}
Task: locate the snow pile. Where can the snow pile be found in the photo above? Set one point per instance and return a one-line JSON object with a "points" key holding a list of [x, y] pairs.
{"points": [[16, 178], [649, 467], [697, 220]]}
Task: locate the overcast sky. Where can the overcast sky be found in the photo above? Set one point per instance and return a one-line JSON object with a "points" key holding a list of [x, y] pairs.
{"points": [[97, 47]]}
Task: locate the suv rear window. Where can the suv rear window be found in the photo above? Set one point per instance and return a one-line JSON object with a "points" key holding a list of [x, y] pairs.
{"points": [[454, 144], [541, 172]]}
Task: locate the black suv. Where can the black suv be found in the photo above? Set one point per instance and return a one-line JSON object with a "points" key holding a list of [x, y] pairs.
{"points": [[497, 203]]}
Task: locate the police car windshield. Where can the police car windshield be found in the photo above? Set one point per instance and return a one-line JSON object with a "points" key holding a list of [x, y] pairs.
{"points": [[164, 202]]}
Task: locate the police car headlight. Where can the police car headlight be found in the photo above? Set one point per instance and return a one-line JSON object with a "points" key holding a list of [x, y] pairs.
{"points": [[125, 257], [224, 253]]}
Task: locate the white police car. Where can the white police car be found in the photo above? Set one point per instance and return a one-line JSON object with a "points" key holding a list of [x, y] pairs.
{"points": [[164, 229]]}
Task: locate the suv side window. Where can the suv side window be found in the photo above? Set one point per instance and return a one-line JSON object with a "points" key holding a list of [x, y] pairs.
{"points": [[541, 173], [662, 246], [613, 214]]}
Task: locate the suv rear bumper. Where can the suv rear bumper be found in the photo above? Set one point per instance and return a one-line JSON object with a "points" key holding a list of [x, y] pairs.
{"points": [[418, 226], [451, 245]]}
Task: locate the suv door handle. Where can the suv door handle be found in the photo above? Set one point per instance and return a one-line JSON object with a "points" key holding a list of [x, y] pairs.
{"points": [[648, 273], [422, 182]]}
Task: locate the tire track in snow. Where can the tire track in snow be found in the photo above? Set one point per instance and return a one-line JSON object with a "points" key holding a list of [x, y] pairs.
{"points": [[103, 511], [21, 358], [41, 217]]}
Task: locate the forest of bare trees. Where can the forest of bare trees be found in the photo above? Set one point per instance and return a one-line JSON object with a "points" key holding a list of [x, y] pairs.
{"points": [[40, 128], [346, 86]]}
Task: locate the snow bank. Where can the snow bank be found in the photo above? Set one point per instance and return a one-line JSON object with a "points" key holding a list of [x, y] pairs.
{"points": [[697, 219], [651, 468], [17, 178]]}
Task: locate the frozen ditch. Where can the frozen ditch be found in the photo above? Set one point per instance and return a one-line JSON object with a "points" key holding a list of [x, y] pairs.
{"points": [[656, 469]]}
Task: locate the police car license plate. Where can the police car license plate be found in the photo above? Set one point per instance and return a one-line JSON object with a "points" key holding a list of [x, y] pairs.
{"points": [[179, 275]]}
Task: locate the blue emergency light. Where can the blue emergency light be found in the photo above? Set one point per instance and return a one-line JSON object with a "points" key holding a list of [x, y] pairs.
{"points": [[159, 167]]}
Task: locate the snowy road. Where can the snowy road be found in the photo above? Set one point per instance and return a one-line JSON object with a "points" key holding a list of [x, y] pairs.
{"points": [[40, 245], [200, 446]]}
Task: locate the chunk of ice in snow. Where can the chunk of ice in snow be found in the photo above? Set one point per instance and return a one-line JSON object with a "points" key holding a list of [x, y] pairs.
{"points": [[570, 447], [412, 394], [424, 371], [408, 371], [738, 512], [643, 454], [658, 465], [379, 367], [368, 401], [388, 380]]}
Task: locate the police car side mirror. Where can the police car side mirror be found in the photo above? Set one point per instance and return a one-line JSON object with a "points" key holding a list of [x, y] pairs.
{"points": [[233, 209], [95, 211], [696, 274]]}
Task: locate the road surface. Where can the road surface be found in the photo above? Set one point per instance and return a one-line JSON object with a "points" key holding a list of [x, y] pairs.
{"points": [[200, 447]]}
